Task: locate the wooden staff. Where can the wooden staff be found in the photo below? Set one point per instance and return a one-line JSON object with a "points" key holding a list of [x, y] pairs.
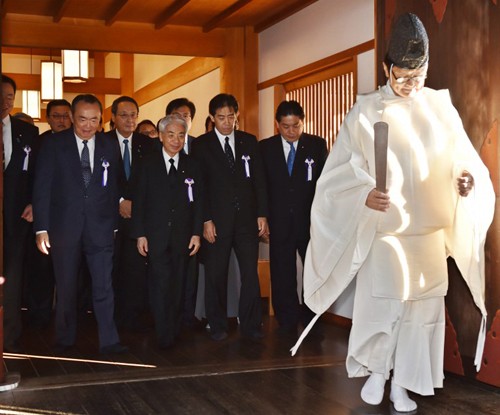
{"points": [[381, 130]]}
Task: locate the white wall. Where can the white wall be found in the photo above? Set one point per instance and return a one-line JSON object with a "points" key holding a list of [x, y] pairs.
{"points": [[320, 30], [200, 92]]}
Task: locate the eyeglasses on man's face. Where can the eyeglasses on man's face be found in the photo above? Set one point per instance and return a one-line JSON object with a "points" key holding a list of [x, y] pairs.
{"points": [[418, 78]]}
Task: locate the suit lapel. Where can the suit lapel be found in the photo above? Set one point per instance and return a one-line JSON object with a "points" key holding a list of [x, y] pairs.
{"points": [[217, 150]]}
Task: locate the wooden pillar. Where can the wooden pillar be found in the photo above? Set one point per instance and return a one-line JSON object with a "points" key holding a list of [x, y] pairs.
{"points": [[127, 73], [99, 72], [239, 75]]}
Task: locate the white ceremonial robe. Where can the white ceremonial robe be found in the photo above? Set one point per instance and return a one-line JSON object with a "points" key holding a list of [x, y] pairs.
{"points": [[427, 221]]}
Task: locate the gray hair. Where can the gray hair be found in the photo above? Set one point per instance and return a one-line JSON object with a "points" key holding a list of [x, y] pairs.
{"points": [[171, 119]]}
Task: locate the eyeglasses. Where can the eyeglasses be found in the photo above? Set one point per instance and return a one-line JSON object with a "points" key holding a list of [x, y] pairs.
{"points": [[407, 79], [125, 116]]}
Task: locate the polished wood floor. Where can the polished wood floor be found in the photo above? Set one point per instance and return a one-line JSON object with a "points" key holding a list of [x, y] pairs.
{"points": [[200, 376]]}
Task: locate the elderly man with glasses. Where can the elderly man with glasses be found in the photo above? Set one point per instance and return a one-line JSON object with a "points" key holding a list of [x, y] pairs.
{"points": [[437, 202]]}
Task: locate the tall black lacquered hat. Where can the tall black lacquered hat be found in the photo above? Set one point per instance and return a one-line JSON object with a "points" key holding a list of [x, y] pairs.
{"points": [[408, 44]]}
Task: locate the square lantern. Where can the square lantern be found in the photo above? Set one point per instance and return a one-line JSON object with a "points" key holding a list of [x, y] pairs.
{"points": [[75, 65], [52, 84]]}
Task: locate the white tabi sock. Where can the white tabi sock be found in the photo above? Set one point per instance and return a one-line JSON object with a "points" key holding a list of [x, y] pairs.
{"points": [[399, 397], [373, 389]]}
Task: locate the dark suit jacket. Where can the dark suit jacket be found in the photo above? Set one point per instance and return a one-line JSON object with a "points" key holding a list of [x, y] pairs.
{"points": [[141, 147], [161, 208], [290, 197], [17, 182], [226, 192], [62, 205]]}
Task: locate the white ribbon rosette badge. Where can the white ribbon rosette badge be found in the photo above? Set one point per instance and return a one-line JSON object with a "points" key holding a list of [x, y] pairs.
{"points": [[105, 164], [190, 183], [247, 165], [309, 163], [27, 150]]}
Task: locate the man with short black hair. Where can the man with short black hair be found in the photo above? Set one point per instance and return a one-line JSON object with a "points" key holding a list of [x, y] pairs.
{"points": [[293, 161], [18, 145], [75, 200], [129, 268], [235, 215]]}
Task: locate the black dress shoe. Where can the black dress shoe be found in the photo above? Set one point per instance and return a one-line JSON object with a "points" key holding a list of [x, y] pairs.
{"points": [[218, 336], [116, 348], [61, 348]]}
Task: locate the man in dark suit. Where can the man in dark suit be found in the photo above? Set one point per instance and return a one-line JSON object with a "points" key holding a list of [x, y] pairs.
{"points": [[293, 161], [183, 107], [235, 212], [75, 203], [40, 285], [168, 223], [18, 144], [129, 268]]}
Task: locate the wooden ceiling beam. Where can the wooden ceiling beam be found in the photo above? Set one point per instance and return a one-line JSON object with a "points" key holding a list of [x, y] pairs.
{"points": [[286, 12], [213, 23], [98, 85], [60, 8], [170, 11], [127, 38], [114, 11]]}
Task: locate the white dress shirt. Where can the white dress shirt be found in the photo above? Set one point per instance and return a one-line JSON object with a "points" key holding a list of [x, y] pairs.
{"points": [[286, 146], [222, 140], [167, 158], [7, 141]]}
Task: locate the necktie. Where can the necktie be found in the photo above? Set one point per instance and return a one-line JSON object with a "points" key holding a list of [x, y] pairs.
{"points": [[85, 162], [173, 170], [229, 154], [291, 157], [126, 159]]}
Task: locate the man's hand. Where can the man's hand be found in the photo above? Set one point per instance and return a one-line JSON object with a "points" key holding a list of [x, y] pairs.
{"points": [[42, 242], [126, 209], [28, 213], [142, 245], [377, 200], [194, 244], [209, 232], [465, 183], [263, 226]]}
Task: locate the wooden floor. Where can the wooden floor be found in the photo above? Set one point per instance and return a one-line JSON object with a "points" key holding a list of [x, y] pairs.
{"points": [[199, 376]]}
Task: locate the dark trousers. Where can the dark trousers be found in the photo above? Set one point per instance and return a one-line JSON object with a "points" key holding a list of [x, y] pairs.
{"points": [[167, 274], [129, 278], [40, 285], [190, 291], [14, 251], [216, 258], [287, 308], [66, 260]]}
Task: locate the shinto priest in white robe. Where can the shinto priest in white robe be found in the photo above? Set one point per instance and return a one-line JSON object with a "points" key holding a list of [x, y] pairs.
{"points": [[399, 256]]}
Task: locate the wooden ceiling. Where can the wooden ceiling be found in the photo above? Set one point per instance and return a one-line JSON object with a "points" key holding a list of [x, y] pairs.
{"points": [[171, 27]]}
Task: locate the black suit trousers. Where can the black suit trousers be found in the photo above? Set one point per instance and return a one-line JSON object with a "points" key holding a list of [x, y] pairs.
{"points": [[283, 263], [216, 268], [14, 252], [66, 260], [167, 274]]}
